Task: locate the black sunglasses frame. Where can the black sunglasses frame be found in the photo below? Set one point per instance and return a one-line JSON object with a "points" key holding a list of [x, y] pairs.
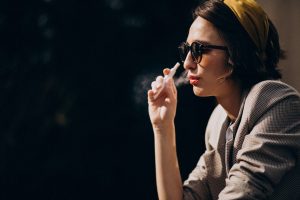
{"points": [[197, 49]]}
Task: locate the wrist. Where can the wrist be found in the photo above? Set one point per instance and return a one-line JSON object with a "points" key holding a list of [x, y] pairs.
{"points": [[163, 125], [163, 128]]}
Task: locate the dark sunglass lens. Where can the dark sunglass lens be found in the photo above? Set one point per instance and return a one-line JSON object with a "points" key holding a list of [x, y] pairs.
{"points": [[183, 51], [196, 50]]}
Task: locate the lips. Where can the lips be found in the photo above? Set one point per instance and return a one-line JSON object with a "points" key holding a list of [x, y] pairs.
{"points": [[194, 80]]}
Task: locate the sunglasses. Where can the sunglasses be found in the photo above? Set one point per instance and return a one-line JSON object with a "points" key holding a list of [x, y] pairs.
{"points": [[197, 49]]}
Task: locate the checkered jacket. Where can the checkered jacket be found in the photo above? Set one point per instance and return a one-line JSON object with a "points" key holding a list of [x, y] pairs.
{"points": [[262, 159]]}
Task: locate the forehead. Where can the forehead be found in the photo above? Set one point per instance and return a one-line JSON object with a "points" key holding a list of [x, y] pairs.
{"points": [[204, 31]]}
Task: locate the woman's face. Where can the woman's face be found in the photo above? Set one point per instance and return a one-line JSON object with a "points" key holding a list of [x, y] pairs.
{"points": [[206, 76]]}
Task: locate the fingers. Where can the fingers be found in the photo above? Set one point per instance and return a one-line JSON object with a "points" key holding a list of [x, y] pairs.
{"points": [[171, 89], [150, 95], [159, 79], [156, 88], [166, 71], [155, 85]]}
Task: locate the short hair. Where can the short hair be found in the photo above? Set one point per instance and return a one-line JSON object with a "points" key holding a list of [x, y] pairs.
{"points": [[248, 65]]}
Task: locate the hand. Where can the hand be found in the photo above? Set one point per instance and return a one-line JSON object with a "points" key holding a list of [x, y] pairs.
{"points": [[162, 110]]}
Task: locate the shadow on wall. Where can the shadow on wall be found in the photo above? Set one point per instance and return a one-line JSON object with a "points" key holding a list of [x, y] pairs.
{"points": [[285, 15]]}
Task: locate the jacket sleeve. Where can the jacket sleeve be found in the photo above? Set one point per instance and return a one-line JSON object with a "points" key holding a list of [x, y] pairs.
{"points": [[196, 187], [270, 149]]}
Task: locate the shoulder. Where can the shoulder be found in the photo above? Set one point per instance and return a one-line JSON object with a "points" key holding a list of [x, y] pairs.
{"points": [[270, 91], [273, 97]]}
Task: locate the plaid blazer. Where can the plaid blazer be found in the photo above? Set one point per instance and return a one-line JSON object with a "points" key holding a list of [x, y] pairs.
{"points": [[262, 159]]}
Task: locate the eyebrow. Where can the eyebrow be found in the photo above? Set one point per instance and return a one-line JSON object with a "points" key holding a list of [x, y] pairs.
{"points": [[201, 41]]}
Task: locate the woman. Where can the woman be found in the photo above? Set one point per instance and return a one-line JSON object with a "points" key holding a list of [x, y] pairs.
{"points": [[253, 135]]}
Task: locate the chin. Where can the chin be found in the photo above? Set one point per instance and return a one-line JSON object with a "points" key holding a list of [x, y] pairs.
{"points": [[200, 92]]}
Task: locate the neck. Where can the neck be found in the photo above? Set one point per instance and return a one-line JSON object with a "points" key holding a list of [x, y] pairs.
{"points": [[230, 100]]}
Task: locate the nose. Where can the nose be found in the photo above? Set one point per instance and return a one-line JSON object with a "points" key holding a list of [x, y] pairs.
{"points": [[189, 63]]}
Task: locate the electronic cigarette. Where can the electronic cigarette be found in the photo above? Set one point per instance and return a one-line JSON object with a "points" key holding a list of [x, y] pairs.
{"points": [[170, 75]]}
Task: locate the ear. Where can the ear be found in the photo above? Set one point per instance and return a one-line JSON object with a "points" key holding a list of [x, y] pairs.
{"points": [[222, 78], [230, 63], [226, 75]]}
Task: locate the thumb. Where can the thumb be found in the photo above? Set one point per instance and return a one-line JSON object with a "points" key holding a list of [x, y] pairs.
{"points": [[166, 71]]}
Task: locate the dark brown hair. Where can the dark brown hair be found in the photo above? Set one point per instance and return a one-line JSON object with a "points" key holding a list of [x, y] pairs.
{"points": [[248, 64]]}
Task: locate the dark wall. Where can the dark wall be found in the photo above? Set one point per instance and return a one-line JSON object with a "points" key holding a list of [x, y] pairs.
{"points": [[73, 110]]}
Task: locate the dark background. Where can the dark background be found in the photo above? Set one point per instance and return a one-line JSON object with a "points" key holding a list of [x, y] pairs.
{"points": [[73, 108]]}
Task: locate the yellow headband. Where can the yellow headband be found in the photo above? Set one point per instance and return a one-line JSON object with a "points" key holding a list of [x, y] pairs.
{"points": [[253, 19]]}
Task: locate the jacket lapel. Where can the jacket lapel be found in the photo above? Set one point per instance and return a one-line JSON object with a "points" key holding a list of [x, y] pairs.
{"points": [[230, 145]]}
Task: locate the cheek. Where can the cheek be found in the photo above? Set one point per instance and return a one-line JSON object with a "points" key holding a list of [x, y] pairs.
{"points": [[213, 66]]}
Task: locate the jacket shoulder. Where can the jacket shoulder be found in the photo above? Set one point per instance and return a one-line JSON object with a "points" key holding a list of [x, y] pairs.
{"points": [[271, 91], [267, 95]]}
